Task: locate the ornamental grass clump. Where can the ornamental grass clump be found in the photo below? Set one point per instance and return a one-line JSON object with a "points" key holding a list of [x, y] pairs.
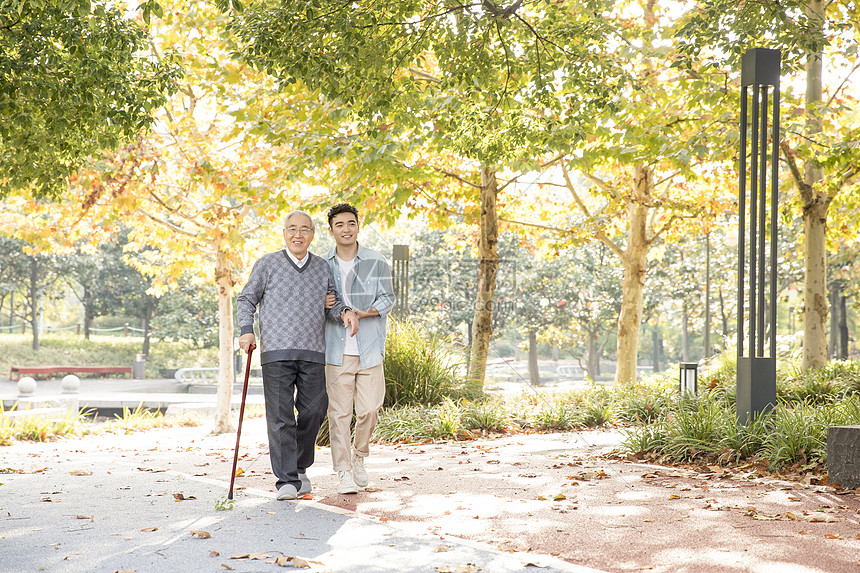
{"points": [[489, 414], [420, 368], [557, 414]]}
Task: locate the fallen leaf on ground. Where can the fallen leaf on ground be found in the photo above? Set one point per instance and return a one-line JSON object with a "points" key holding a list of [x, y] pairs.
{"points": [[259, 556], [467, 568], [214, 554], [240, 556], [440, 549], [148, 529], [83, 517], [304, 563], [283, 560], [820, 519], [225, 566], [181, 497], [80, 473], [832, 536], [239, 471], [200, 534]]}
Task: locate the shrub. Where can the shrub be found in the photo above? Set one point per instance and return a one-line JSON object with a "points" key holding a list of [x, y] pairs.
{"points": [[401, 424], [798, 433], [694, 427], [648, 438], [488, 414], [557, 414], [420, 369]]}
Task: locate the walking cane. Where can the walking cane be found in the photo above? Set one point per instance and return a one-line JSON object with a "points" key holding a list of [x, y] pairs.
{"points": [[241, 415]]}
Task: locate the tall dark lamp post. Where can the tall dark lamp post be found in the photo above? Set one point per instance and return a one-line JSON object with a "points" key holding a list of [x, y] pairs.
{"points": [[756, 377]]}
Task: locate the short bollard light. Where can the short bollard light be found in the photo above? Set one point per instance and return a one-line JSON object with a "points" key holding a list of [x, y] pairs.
{"points": [[689, 378]]}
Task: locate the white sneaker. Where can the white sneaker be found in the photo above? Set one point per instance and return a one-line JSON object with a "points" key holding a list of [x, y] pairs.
{"points": [[347, 484], [358, 471]]}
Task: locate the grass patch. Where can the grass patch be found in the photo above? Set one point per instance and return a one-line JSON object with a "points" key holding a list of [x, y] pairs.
{"points": [[40, 428]]}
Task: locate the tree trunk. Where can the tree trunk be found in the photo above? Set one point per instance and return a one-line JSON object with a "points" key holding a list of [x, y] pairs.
{"points": [[843, 328], [592, 359], [488, 266], [88, 314], [534, 375], [685, 332], [147, 319], [35, 303], [634, 276], [706, 343], [655, 342], [834, 319], [226, 375], [815, 205], [815, 286]]}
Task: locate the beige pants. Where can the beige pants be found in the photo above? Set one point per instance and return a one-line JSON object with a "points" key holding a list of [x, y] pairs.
{"points": [[348, 386]]}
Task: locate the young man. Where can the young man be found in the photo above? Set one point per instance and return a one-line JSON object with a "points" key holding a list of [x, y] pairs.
{"points": [[288, 289], [354, 365]]}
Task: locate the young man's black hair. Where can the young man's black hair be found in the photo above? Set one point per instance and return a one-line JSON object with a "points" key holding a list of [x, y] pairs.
{"points": [[341, 208]]}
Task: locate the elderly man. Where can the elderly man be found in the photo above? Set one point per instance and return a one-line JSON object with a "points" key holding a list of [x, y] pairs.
{"points": [[287, 289]]}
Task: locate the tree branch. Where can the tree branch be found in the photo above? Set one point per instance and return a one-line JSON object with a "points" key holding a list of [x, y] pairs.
{"points": [[791, 160], [601, 236], [172, 226]]}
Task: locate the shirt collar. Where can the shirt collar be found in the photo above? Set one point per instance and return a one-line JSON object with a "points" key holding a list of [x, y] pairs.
{"points": [[358, 255], [299, 263]]}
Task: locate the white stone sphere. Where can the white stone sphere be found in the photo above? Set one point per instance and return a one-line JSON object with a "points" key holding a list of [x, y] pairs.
{"points": [[71, 384], [26, 386]]}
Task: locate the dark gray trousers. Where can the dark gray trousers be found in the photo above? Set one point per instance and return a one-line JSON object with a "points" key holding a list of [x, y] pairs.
{"points": [[290, 386]]}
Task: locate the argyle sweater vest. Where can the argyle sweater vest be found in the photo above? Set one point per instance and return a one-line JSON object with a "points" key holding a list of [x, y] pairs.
{"points": [[290, 306]]}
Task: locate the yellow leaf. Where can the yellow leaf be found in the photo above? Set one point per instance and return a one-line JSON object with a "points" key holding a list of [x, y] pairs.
{"points": [[83, 516], [673, 496], [80, 473]]}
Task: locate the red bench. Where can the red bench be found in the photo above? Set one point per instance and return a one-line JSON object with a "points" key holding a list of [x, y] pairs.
{"points": [[16, 372]]}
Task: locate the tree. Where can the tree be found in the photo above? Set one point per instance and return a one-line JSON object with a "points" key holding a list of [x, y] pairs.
{"points": [[429, 90], [200, 190], [648, 172], [74, 80], [819, 144], [35, 277]]}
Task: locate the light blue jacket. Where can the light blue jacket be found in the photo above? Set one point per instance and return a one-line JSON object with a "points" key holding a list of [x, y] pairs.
{"points": [[368, 284]]}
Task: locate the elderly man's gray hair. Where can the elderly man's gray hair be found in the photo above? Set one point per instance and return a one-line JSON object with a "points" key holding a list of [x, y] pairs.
{"points": [[293, 213]]}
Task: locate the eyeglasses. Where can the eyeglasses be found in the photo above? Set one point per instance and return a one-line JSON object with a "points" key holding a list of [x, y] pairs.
{"points": [[301, 231]]}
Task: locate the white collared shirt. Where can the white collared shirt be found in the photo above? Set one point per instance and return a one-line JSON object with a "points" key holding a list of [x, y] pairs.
{"points": [[299, 263]]}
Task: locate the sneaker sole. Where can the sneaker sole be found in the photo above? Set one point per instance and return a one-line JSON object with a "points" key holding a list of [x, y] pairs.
{"points": [[348, 491]]}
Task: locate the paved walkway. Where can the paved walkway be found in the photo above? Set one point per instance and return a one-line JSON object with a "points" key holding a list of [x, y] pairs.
{"points": [[554, 502]]}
